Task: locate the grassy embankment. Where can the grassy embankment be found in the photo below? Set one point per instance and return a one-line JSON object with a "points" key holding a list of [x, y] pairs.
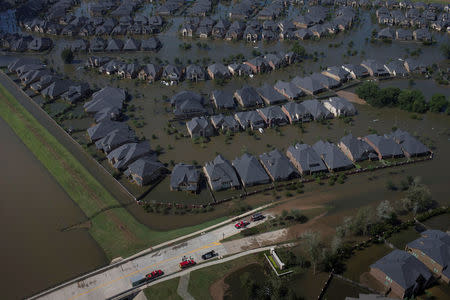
{"points": [[116, 231], [165, 290]]}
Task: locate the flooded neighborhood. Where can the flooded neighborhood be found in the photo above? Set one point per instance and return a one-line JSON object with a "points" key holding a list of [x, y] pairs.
{"points": [[225, 149]]}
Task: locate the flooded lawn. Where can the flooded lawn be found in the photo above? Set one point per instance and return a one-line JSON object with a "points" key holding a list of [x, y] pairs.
{"points": [[33, 209], [399, 240], [340, 289], [440, 223], [360, 261]]}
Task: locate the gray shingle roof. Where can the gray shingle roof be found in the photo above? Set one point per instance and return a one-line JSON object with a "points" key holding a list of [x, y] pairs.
{"points": [[124, 155], [332, 156], [359, 149], [248, 96], [250, 119], [288, 89], [107, 97], [115, 139], [308, 84], [144, 169], [220, 174], [103, 128], [403, 268], [278, 165], [270, 95], [250, 170], [184, 177], [409, 144], [297, 112], [434, 248], [316, 109], [223, 99], [387, 146]]}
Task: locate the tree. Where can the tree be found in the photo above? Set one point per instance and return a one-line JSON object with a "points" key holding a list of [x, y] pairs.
{"points": [[385, 210], [313, 247], [67, 56], [336, 244], [368, 91], [418, 198], [298, 49], [438, 103], [362, 221], [412, 100]]}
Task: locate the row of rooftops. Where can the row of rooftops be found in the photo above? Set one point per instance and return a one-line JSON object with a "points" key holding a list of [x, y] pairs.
{"points": [[34, 74], [99, 44], [436, 19], [21, 43], [71, 25], [153, 72], [116, 139], [412, 270], [271, 116], [300, 159], [313, 24], [316, 83], [421, 34]]}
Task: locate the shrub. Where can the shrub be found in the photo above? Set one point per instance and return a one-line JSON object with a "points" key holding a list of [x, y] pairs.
{"points": [[67, 56]]}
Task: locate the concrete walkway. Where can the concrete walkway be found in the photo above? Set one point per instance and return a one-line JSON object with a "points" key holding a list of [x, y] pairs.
{"points": [[183, 287]]}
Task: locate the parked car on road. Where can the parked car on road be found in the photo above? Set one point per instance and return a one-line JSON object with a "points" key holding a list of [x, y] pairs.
{"points": [[209, 255], [241, 224], [155, 274], [257, 217], [187, 263]]}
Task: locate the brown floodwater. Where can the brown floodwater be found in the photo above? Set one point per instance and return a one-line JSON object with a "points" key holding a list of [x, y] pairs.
{"points": [[33, 208]]}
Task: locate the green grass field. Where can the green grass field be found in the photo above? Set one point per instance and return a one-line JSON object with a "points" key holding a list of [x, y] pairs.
{"points": [[166, 290], [116, 231]]}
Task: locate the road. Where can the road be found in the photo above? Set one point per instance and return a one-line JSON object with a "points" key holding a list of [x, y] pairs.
{"points": [[115, 280]]}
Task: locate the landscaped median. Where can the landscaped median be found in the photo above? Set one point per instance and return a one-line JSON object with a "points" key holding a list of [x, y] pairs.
{"points": [[116, 231]]}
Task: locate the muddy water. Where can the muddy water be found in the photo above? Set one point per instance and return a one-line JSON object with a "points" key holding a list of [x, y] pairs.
{"points": [[32, 209]]}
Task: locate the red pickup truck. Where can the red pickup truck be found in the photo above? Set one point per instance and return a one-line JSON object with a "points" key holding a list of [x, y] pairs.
{"points": [[154, 274], [241, 224], [187, 263]]}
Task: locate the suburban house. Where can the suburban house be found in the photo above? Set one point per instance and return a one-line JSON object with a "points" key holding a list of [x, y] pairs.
{"points": [[309, 85], [396, 68], [131, 45], [247, 96], [222, 99], [114, 45], [339, 106], [277, 165], [356, 71], [337, 73], [195, 73], [402, 274], [296, 112], [187, 103], [288, 89], [77, 92], [384, 146], [374, 68], [225, 123], [317, 110], [218, 70], [115, 138], [185, 178], [325, 81], [199, 127], [107, 97], [356, 149], [57, 89], [103, 128], [250, 119], [414, 66], [145, 170], [369, 297], [250, 170], [270, 95], [126, 154], [410, 145], [273, 116], [221, 174], [150, 73], [305, 159], [333, 157], [433, 250], [171, 73], [238, 69], [151, 44], [258, 65]]}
